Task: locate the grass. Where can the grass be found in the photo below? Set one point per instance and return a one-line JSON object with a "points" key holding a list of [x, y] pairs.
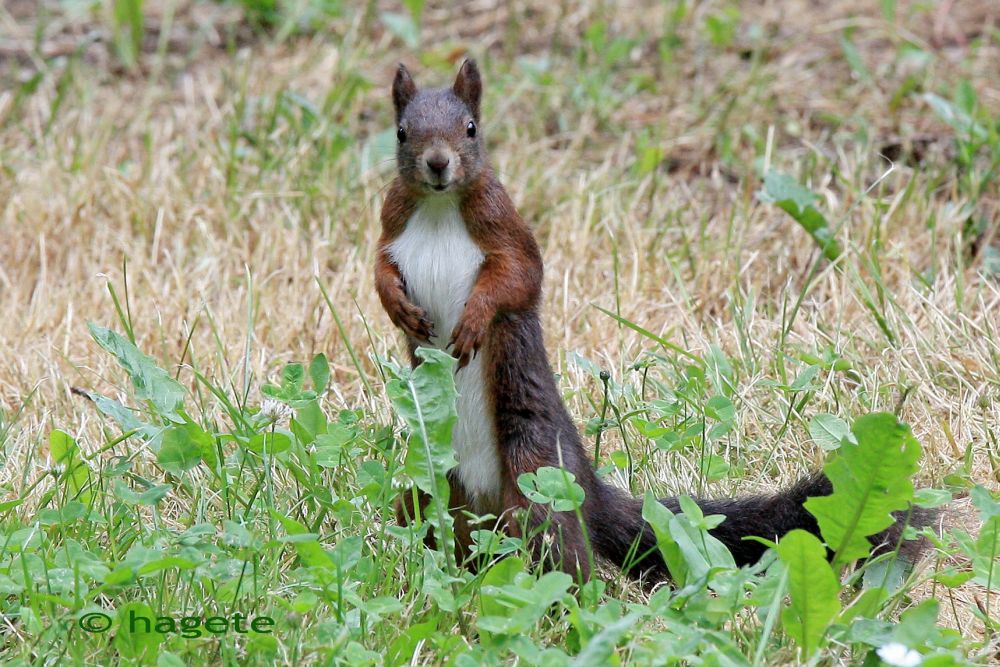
{"points": [[205, 181]]}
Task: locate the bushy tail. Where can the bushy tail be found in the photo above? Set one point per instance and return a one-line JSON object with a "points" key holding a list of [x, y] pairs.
{"points": [[623, 537]]}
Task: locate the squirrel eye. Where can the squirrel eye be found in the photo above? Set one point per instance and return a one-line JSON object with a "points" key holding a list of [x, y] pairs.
{"points": [[470, 129], [401, 134]]}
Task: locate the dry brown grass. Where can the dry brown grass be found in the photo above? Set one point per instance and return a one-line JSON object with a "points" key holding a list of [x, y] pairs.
{"points": [[135, 166]]}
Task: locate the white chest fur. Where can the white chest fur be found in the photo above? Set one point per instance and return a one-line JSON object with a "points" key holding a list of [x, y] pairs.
{"points": [[440, 263]]}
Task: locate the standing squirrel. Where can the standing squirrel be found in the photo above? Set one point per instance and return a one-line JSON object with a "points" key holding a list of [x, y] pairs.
{"points": [[458, 269]]}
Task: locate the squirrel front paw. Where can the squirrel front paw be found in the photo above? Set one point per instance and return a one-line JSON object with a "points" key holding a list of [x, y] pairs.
{"points": [[468, 336], [412, 319]]}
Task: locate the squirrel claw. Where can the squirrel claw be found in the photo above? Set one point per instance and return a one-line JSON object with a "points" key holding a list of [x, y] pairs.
{"points": [[468, 335], [464, 359], [465, 351], [426, 329]]}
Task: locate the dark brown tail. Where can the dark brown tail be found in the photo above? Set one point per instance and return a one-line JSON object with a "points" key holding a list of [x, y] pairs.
{"points": [[623, 537]]}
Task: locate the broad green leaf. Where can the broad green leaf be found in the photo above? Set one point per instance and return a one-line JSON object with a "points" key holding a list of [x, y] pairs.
{"points": [[291, 391], [779, 187], [183, 447], [329, 446], [76, 473], [659, 517], [600, 650], [619, 459], [125, 417], [375, 609], [984, 560], [319, 373], [64, 513], [720, 408], [236, 534], [688, 550], [311, 418], [524, 602], [931, 498], [136, 639], [812, 588], [63, 581], [799, 202], [271, 442], [272, 391], [401, 650], [870, 481], [151, 382], [866, 605], [714, 466], [120, 575], [987, 503], [699, 549], [198, 533], [292, 378], [917, 624], [425, 398], [9, 586], [827, 431], [306, 601], [887, 574], [28, 619], [306, 544], [951, 577], [143, 560], [492, 599], [555, 486], [697, 517]]}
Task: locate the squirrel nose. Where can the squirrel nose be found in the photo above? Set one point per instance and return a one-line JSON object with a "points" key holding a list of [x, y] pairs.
{"points": [[438, 163]]}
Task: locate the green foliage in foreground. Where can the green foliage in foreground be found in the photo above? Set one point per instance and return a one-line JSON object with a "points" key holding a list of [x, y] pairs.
{"points": [[283, 516]]}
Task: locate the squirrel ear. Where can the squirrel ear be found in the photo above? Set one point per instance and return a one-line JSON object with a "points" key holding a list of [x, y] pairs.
{"points": [[403, 90], [469, 86]]}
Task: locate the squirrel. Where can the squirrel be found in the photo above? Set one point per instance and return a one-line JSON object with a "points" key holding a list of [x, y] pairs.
{"points": [[458, 269]]}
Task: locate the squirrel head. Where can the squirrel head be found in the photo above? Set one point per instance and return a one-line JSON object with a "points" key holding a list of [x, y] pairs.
{"points": [[439, 143]]}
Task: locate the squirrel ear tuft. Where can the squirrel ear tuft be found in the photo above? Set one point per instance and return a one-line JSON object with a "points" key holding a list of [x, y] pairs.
{"points": [[469, 86], [403, 90]]}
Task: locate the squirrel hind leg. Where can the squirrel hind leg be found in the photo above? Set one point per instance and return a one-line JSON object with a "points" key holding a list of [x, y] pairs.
{"points": [[555, 539], [406, 512]]}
